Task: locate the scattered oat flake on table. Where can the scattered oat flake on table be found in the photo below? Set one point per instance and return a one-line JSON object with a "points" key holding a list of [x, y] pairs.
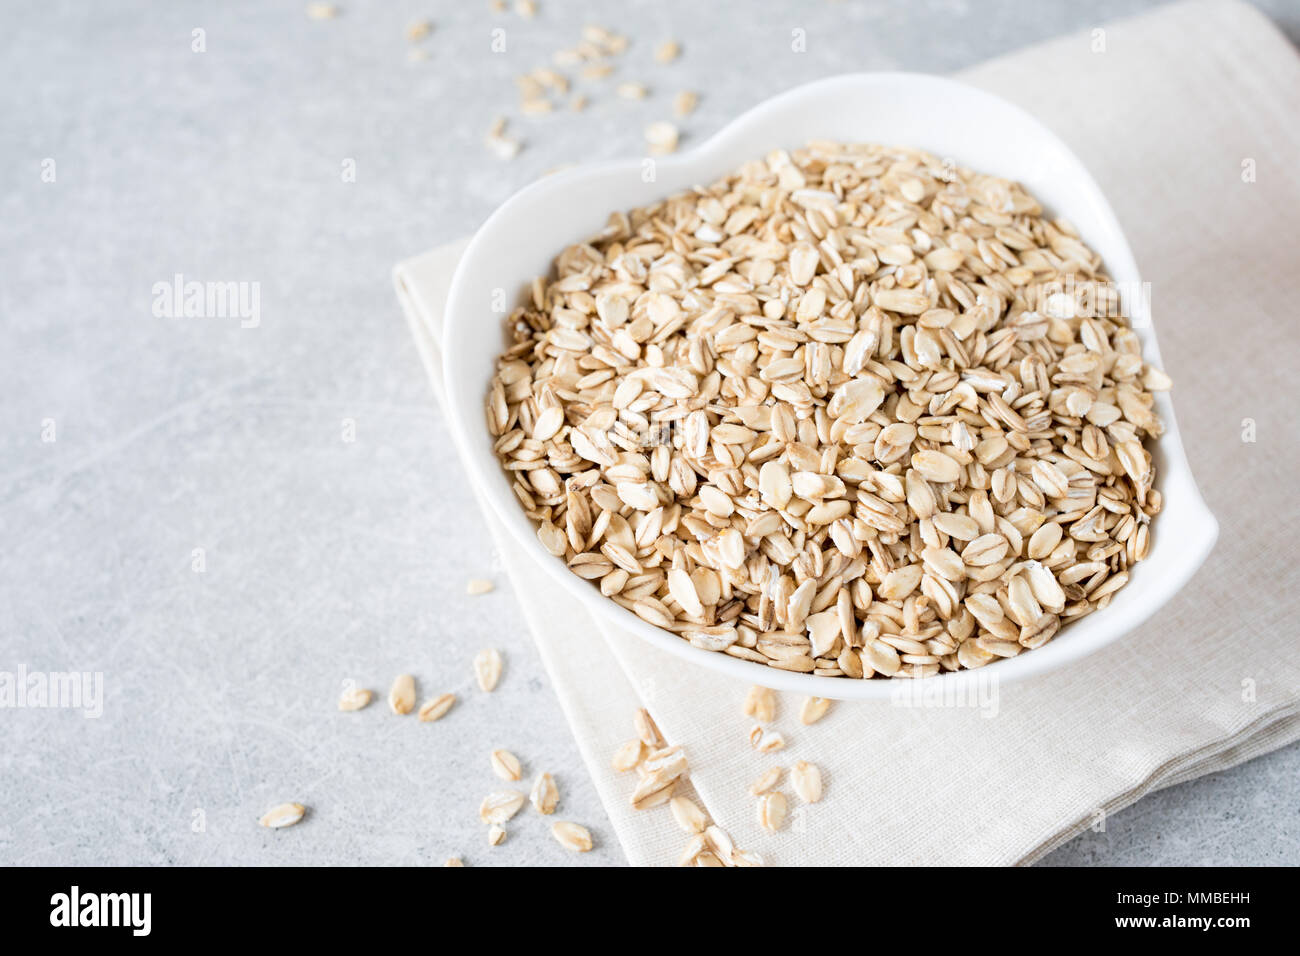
{"points": [[545, 795], [526, 9], [354, 698], [669, 760], [813, 709], [688, 814], [487, 669], [653, 790], [662, 137], [322, 11], [500, 805], [714, 847], [602, 40], [506, 765], [552, 80], [529, 87], [627, 756], [572, 836], [766, 782], [503, 147], [765, 741], [694, 847], [454, 861], [771, 811], [720, 842], [401, 696], [647, 729], [418, 30], [684, 103], [478, 586], [631, 91], [656, 787], [496, 835], [760, 703], [667, 51], [436, 708], [283, 815], [578, 103], [807, 781]]}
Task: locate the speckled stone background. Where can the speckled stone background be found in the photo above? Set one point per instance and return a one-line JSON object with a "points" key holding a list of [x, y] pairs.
{"points": [[304, 457]]}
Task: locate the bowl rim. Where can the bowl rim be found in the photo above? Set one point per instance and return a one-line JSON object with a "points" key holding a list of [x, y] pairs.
{"points": [[485, 471]]}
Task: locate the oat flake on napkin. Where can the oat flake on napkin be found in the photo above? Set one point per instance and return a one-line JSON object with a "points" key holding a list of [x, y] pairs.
{"points": [[1187, 121]]}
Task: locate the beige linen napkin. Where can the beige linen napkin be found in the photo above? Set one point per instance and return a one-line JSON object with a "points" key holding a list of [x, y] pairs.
{"points": [[1186, 118]]}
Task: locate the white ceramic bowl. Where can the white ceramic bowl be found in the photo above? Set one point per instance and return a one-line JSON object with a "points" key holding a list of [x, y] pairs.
{"points": [[976, 130]]}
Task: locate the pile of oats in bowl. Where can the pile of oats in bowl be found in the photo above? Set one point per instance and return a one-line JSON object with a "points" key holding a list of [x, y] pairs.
{"points": [[849, 411]]}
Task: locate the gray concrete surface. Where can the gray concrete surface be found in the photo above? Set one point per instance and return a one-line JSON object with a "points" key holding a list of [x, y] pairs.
{"points": [[128, 440]]}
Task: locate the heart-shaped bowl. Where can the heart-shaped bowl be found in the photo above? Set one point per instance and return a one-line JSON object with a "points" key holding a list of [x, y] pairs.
{"points": [[976, 130]]}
